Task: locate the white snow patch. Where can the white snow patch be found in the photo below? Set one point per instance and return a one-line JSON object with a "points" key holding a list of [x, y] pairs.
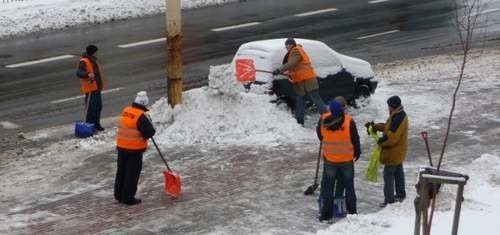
{"points": [[9, 125], [479, 210]]}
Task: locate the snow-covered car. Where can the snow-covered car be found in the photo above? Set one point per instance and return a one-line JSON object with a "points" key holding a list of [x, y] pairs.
{"points": [[338, 75]]}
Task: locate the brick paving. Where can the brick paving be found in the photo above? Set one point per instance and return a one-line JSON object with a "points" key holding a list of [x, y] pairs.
{"points": [[231, 191]]}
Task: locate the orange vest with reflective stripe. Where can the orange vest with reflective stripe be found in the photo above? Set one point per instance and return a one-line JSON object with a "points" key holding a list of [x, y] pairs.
{"points": [[304, 70], [128, 136], [86, 84], [337, 146]]}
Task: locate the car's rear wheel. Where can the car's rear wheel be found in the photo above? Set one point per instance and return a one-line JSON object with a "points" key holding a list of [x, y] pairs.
{"points": [[362, 91]]}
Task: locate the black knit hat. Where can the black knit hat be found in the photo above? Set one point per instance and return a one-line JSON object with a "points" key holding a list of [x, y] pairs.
{"points": [[91, 49], [394, 101], [290, 41]]}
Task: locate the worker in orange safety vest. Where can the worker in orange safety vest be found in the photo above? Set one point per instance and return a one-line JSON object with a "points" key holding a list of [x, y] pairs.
{"points": [[340, 148], [134, 130], [89, 71], [303, 78]]}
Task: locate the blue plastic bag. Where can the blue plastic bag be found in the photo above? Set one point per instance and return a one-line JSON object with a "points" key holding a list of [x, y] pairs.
{"points": [[339, 209]]}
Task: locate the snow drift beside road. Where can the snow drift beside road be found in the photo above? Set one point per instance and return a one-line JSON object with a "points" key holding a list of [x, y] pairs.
{"points": [[39, 15]]}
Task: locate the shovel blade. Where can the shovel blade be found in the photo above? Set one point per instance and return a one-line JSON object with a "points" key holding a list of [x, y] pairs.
{"points": [[172, 183], [245, 70], [310, 190]]}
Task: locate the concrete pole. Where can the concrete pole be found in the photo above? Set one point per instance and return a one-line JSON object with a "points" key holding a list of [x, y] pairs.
{"points": [[174, 52]]}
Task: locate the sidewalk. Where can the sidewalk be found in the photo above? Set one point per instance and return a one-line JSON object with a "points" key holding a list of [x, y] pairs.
{"points": [[231, 191]]}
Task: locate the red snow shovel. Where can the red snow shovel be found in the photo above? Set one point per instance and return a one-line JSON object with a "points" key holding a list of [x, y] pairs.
{"points": [[172, 179], [245, 71]]}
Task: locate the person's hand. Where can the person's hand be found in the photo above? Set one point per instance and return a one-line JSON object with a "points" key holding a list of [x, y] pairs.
{"points": [[356, 158], [91, 77], [369, 125], [276, 72], [380, 126]]}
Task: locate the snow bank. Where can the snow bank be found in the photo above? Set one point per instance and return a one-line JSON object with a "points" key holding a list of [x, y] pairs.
{"points": [[38, 15], [222, 114], [480, 211]]}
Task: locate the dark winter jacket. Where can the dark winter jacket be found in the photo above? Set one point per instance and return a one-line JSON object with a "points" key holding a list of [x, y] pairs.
{"points": [[335, 122], [144, 125], [394, 141], [82, 72]]}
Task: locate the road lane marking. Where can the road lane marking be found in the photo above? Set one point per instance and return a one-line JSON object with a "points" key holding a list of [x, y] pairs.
{"points": [[81, 96], [134, 44], [235, 26], [315, 12], [486, 12], [49, 59], [377, 34], [377, 1]]}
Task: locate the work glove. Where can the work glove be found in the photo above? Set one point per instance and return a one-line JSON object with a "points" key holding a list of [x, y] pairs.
{"points": [[356, 158], [367, 125], [276, 72]]}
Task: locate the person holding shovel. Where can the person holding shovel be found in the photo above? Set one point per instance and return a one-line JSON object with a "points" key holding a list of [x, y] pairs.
{"points": [[91, 76], [339, 180], [340, 148], [134, 130], [394, 145], [303, 77]]}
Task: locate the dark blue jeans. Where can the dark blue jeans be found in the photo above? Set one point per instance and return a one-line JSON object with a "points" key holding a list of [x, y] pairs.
{"points": [[330, 171], [394, 176], [300, 105], [94, 108]]}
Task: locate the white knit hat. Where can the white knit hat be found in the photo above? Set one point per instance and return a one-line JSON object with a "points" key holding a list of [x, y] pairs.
{"points": [[142, 98]]}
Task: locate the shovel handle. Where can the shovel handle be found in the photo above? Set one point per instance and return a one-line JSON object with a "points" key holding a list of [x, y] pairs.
{"points": [[159, 152], [425, 136], [263, 71]]}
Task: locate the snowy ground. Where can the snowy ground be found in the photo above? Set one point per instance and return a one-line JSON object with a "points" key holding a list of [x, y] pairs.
{"points": [[40, 15], [245, 162], [218, 125]]}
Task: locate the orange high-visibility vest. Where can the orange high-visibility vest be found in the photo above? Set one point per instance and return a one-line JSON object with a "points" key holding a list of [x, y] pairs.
{"points": [[304, 70], [337, 146], [86, 85], [128, 135]]}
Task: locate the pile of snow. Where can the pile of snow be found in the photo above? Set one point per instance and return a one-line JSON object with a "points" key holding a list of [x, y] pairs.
{"points": [[223, 114], [37, 15]]}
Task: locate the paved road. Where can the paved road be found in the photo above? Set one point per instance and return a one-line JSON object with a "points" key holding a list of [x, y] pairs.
{"points": [[34, 96]]}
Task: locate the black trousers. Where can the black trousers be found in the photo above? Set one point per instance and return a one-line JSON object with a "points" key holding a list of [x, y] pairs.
{"points": [[129, 166], [94, 108]]}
